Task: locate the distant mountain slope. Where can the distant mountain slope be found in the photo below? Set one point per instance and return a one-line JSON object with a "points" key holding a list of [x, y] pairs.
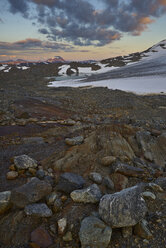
{"points": [[154, 52]]}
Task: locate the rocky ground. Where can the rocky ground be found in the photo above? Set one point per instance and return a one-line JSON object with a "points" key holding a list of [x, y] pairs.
{"points": [[80, 167]]}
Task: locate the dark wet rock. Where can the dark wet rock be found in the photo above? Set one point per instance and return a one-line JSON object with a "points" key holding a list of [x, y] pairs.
{"points": [[124, 208], [74, 141], [38, 210], [23, 162], [108, 183], [94, 233], [30, 192], [41, 237], [49, 179], [69, 182], [40, 174], [120, 181], [5, 203], [95, 177], [129, 170], [142, 230], [92, 194]]}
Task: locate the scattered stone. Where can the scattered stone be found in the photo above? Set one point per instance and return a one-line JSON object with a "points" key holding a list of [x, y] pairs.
{"points": [[32, 171], [53, 228], [155, 187], [148, 195], [69, 182], [5, 203], [74, 141], [30, 192], [128, 170], [69, 122], [68, 237], [11, 175], [41, 237], [23, 162], [94, 233], [124, 208], [57, 205], [96, 177], [92, 194], [106, 161], [38, 210], [108, 183], [120, 181], [51, 198], [142, 230], [127, 231], [62, 224], [49, 179], [161, 181], [12, 167], [33, 140], [40, 174]]}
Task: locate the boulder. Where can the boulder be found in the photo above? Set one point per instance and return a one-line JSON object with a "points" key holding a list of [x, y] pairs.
{"points": [[69, 182], [94, 233], [23, 162], [124, 208], [92, 194], [5, 203], [30, 192], [38, 210]]}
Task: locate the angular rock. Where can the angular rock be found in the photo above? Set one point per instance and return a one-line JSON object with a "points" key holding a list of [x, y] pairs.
{"points": [[74, 141], [68, 237], [23, 162], [30, 192], [120, 181], [128, 170], [96, 177], [92, 194], [41, 237], [11, 175], [124, 208], [57, 205], [38, 210], [94, 233], [51, 198], [69, 182], [106, 161], [5, 203], [142, 230]]}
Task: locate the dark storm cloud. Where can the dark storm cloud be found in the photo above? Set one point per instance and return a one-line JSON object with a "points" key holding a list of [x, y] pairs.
{"points": [[82, 23]]}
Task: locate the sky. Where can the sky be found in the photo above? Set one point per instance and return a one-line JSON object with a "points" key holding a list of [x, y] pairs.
{"points": [[79, 29]]}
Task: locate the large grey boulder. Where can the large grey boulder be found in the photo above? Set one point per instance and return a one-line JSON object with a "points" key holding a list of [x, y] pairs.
{"points": [[124, 208], [92, 194], [69, 182], [94, 233], [38, 210], [23, 162], [30, 192], [5, 203]]}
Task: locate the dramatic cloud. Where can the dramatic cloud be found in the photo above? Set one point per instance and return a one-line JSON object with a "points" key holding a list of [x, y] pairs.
{"points": [[83, 23], [35, 44]]}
